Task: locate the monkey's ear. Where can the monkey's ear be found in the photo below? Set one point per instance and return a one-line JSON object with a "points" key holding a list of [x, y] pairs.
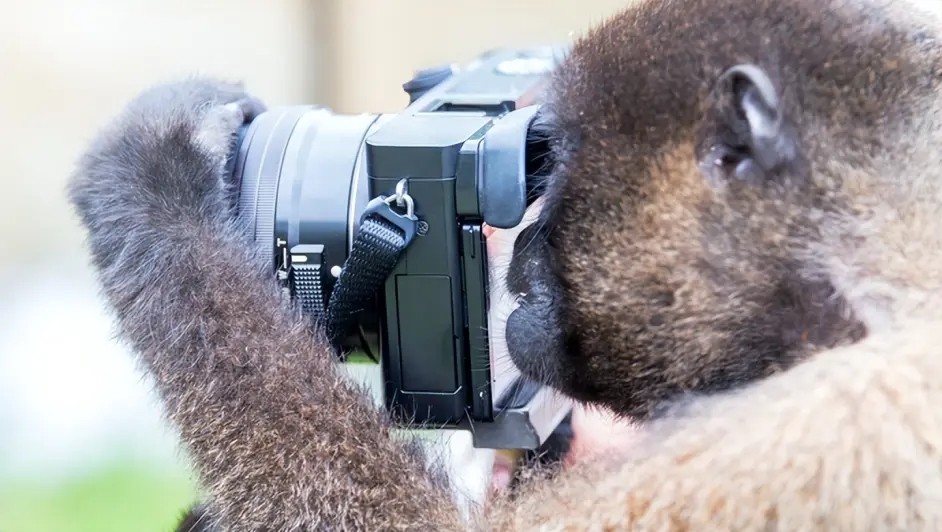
{"points": [[751, 139]]}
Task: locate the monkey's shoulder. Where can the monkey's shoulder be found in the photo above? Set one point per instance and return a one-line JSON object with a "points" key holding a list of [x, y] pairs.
{"points": [[841, 441]]}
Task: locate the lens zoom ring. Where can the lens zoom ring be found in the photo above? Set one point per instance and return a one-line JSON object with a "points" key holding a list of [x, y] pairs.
{"points": [[260, 166], [265, 213]]}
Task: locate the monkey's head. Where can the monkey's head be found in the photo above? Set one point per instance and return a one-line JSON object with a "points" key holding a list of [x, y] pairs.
{"points": [[710, 159]]}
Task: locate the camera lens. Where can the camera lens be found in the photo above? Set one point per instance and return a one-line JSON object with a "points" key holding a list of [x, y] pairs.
{"points": [[302, 186]]}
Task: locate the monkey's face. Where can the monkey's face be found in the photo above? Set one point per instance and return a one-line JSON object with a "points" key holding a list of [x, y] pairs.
{"points": [[669, 254]]}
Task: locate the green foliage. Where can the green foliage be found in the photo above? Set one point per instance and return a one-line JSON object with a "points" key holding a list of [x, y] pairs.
{"points": [[123, 497]]}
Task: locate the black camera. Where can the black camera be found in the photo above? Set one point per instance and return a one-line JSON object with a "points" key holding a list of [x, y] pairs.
{"points": [[373, 223]]}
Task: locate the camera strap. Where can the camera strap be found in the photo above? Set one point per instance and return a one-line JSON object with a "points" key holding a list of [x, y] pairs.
{"points": [[384, 234]]}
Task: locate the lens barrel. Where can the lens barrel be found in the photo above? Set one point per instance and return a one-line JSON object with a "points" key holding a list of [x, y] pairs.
{"points": [[302, 187]]}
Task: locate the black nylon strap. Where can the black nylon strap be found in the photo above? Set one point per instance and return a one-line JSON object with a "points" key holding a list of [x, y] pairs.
{"points": [[383, 236], [373, 257]]}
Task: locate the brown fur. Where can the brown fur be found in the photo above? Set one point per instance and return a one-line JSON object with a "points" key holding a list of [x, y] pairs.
{"points": [[778, 335], [851, 441], [662, 282]]}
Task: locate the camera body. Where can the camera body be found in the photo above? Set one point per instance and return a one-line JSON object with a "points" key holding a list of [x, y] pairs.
{"points": [[455, 159]]}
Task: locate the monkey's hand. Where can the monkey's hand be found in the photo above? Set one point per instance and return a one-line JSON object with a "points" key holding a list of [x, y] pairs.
{"points": [[280, 439], [161, 160]]}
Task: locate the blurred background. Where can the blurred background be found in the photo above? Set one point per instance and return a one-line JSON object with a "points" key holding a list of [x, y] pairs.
{"points": [[83, 446]]}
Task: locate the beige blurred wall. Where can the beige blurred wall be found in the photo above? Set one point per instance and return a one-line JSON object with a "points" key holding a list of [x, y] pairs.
{"points": [[379, 43], [66, 66]]}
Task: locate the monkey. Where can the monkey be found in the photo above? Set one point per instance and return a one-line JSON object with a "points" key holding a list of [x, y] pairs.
{"points": [[738, 248]]}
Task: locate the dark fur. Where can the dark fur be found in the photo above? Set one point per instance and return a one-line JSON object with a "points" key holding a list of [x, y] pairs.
{"points": [[196, 519], [647, 279], [280, 439], [643, 281]]}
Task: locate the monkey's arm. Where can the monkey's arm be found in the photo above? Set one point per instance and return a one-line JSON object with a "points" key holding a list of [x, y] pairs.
{"points": [[280, 439], [851, 440]]}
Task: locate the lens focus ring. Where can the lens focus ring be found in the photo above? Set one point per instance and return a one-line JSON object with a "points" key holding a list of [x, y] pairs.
{"points": [[258, 169]]}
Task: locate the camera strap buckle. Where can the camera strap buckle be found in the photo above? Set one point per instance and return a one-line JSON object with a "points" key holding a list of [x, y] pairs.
{"points": [[382, 207], [383, 236]]}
